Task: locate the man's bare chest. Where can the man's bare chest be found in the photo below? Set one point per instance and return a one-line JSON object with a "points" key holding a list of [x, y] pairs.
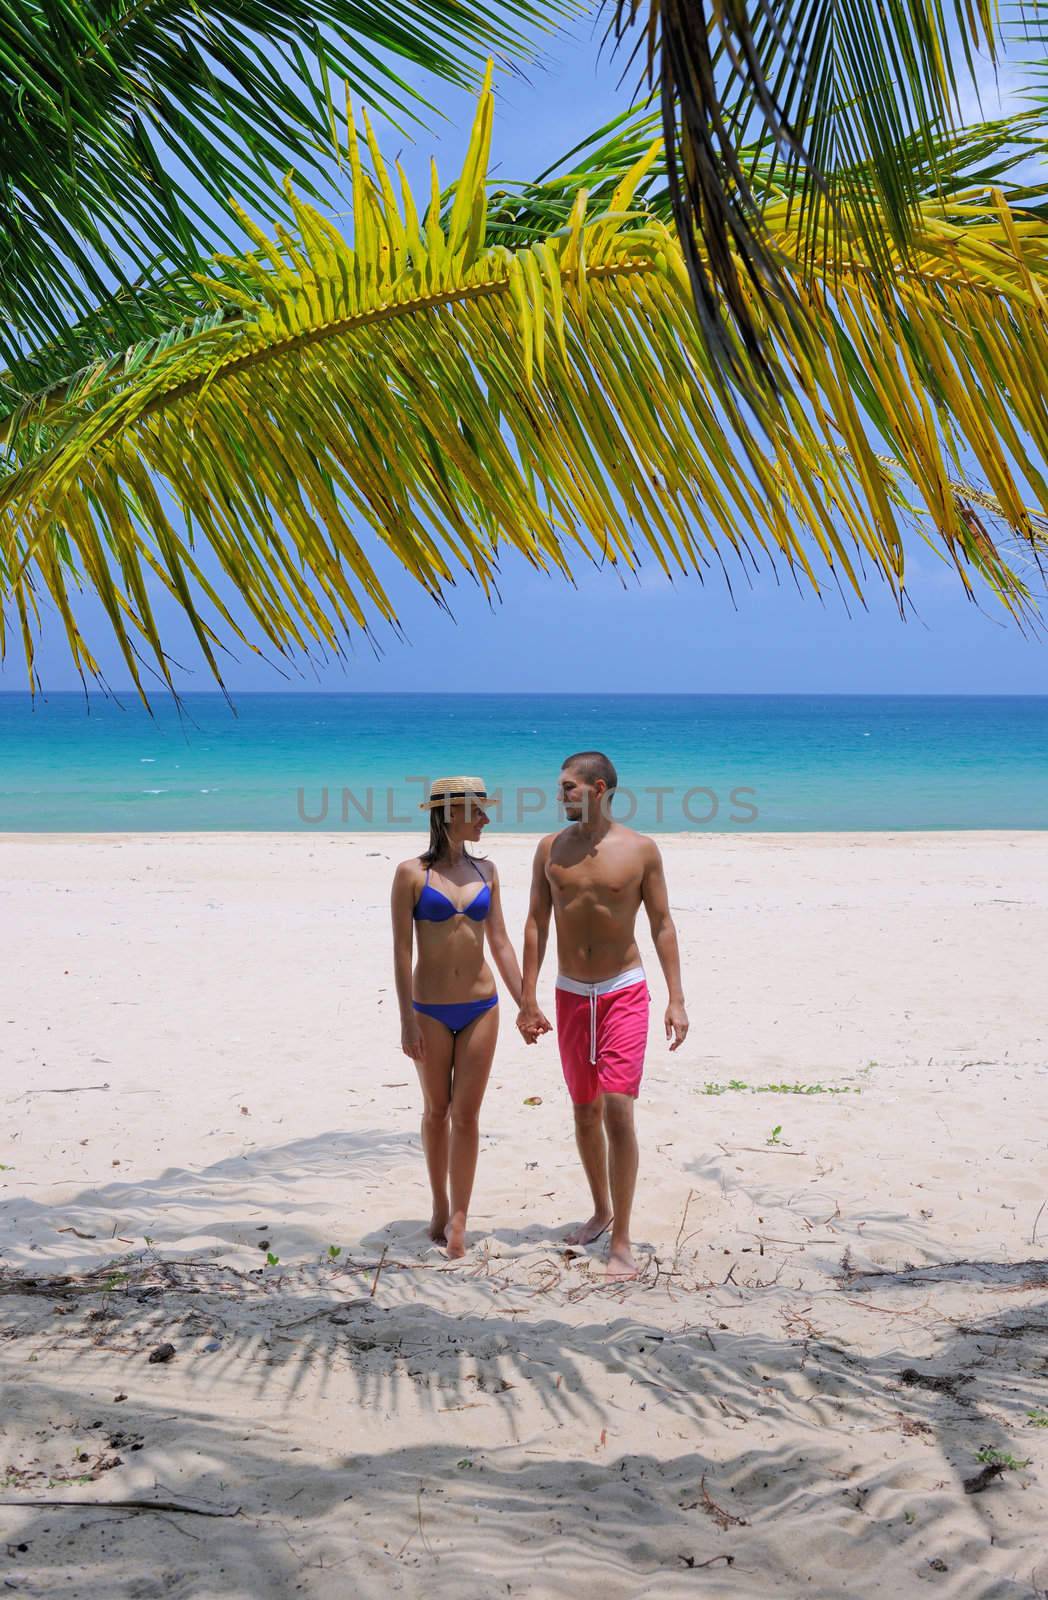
{"points": [[596, 883]]}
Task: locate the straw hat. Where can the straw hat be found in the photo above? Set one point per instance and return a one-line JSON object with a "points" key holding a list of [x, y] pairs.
{"points": [[445, 791]]}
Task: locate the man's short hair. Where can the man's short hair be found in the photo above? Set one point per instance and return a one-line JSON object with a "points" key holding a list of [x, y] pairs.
{"points": [[591, 765]]}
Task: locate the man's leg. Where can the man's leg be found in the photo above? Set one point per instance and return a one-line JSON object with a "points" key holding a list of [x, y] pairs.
{"points": [[593, 1152], [622, 1169], [580, 1075]]}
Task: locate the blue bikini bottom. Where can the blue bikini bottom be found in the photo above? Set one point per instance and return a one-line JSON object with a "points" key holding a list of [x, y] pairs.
{"points": [[460, 1015]]}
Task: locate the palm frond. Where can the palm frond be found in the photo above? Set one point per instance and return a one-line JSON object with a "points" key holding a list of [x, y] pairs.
{"points": [[454, 397], [824, 86], [978, 167], [969, 159], [124, 122]]}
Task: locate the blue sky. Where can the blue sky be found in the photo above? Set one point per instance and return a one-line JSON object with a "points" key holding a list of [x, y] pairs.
{"points": [[648, 634]]}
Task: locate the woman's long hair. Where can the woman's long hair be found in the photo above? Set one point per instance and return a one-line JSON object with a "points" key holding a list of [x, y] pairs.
{"points": [[438, 839]]}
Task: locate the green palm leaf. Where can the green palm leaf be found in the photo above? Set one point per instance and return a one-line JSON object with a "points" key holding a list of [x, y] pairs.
{"points": [[454, 396], [114, 114]]}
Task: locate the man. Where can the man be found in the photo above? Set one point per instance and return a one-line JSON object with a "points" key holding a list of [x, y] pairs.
{"points": [[595, 875]]}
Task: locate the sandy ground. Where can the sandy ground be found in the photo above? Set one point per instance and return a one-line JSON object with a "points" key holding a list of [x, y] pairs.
{"points": [[836, 1318]]}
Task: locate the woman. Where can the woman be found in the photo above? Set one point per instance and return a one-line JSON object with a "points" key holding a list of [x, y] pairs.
{"points": [[449, 1008]]}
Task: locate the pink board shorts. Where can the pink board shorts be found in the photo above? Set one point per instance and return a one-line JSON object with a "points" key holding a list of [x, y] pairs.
{"points": [[602, 1031]]}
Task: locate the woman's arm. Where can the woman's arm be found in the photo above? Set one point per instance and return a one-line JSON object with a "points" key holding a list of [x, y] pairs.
{"points": [[503, 953], [402, 905], [531, 1021]]}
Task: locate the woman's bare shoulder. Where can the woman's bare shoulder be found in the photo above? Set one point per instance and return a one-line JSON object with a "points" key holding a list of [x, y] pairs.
{"points": [[486, 867]]}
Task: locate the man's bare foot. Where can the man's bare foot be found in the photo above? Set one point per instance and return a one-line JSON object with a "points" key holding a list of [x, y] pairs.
{"points": [[456, 1238], [438, 1227], [599, 1223], [621, 1263]]}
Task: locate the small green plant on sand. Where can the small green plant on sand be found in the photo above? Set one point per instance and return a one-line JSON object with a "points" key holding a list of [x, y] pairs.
{"points": [[992, 1457], [334, 1251], [1037, 1418], [738, 1086], [271, 1259], [803, 1088], [774, 1136]]}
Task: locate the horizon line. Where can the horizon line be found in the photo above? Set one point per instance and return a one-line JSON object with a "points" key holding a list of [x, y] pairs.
{"points": [[228, 695]]}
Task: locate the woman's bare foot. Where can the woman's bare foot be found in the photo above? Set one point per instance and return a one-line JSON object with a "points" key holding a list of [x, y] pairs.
{"points": [[621, 1263], [599, 1223], [456, 1237], [438, 1227]]}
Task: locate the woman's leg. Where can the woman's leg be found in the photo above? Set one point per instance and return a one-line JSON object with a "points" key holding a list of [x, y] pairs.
{"points": [[474, 1052], [434, 1072]]}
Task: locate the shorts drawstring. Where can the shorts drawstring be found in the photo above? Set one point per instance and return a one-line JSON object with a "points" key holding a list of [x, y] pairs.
{"points": [[594, 991], [610, 1060]]}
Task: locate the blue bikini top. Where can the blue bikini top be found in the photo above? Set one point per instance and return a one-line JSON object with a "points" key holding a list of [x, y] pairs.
{"points": [[432, 906]]}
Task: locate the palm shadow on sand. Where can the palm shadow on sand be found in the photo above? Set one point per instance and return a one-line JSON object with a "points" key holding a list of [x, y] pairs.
{"points": [[405, 1516], [766, 1421]]}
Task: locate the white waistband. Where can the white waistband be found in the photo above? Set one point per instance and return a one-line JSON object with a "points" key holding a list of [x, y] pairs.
{"points": [[606, 985]]}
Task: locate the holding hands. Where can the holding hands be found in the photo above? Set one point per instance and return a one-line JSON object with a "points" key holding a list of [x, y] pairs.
{"points": [[531, 1022]]}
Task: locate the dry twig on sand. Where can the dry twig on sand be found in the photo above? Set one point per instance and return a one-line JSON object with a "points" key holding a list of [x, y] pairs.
{"points": [[378, 1272], [84, 1088], [723, 1519], [189, 1508]]}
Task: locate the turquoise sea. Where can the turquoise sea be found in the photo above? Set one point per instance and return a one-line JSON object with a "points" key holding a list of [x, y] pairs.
{"points": [[349, 761]]}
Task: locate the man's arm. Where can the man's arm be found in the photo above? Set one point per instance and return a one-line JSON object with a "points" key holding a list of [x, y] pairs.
{"points": [[657, 904], [531, 1021]]}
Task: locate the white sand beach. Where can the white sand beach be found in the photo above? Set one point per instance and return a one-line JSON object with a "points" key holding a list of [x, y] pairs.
{"points": [[843, 1314]]}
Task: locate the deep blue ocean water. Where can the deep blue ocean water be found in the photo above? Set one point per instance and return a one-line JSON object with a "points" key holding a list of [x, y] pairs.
{"points": [[732, 763]]}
